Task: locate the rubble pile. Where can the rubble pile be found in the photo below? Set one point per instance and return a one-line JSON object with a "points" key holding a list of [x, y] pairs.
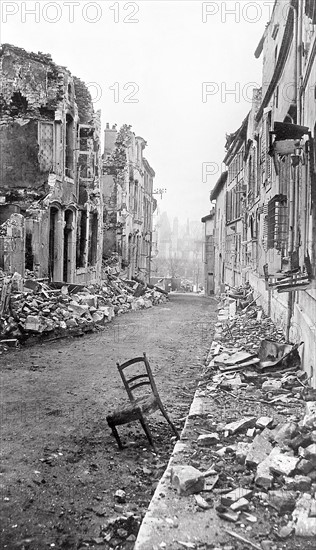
{"points": [[257, 429], [120, 530], [30, 307]]}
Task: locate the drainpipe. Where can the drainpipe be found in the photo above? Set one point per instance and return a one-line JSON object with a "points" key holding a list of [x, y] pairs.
{"points": [[299, 120], [293, 171], [291, 209], [299, 61]]}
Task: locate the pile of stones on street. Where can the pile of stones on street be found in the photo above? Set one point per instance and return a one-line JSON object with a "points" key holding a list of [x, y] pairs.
{"points": [[255, 463], [33, 308]]}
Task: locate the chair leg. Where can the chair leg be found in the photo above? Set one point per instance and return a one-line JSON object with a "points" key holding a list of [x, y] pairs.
{"points": [[147, 431], [117, 437], [171, 424]]}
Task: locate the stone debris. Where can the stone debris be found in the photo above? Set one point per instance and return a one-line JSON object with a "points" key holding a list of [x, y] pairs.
{"points": [[309, 420], [120, 496], [264, 422], [298, 483], [35, 308], [241, 504], [267, 458], [259, 450], [123, 527], [201, 502], [187, 480], [234, 496], [242, 450], [240, 425], [282, 500], [208, 439], [283, 464], [310, 453]]}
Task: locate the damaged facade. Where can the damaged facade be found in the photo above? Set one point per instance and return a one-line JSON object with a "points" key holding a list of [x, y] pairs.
{"points": [[127, 186], [50, 199], [265, 211]]}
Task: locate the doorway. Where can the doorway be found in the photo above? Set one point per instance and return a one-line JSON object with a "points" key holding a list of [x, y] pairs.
{"points": [[68, 247]]}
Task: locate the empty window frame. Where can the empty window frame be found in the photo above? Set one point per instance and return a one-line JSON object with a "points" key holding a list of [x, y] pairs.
{"points": [[81, 241], [93, 238], [277, 223], [69, 161]]}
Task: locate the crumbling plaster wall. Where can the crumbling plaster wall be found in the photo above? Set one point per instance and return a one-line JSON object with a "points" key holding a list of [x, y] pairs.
{"points": [[36, 98], [32, 87], [12, 244]]}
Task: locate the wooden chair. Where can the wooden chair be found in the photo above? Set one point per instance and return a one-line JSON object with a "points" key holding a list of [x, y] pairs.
{"points": [[135, 377]]}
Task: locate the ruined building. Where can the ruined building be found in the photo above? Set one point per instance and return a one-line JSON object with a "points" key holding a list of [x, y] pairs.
{"points": [[50, 200], [264, 224], [127, 185]]}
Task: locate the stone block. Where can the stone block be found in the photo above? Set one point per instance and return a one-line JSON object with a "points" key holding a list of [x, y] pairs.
{"points": [[206, 440], [271, 385], [285, 432], [301, 440], [264, 422], [108, 311], [97, 317], [312, 511], [240, 425], [241, 504], [305, 527], [259, 450], [305, 466], [71, 323], [283, 501], [78, 309], [283, 464], [241, 451], [90, 300], [309, 420], [263, 477], [310, 453], [298, 483], [187, 480], [33, 323]]}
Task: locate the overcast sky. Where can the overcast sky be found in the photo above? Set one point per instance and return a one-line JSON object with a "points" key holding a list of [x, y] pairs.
{"points": [[162, 52]]}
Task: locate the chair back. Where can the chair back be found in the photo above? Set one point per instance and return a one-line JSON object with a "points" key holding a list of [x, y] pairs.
{"points": [[133, 380]]}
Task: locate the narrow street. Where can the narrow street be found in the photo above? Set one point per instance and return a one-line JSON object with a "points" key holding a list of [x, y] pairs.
{"points": [[60, 465]]}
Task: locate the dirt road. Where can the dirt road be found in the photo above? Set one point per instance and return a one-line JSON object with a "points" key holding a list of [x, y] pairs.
{"points": [[60, 465]]}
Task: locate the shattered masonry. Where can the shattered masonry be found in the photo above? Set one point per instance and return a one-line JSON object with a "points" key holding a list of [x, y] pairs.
{"points": [[71, 219], [246, 460], [50, 198], [127, 186]]}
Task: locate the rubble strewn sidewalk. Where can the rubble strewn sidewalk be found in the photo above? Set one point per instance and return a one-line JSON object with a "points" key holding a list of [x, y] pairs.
{"points": [[244, 472], [32, 309]]}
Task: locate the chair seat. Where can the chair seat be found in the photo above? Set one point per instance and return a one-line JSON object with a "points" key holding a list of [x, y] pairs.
{"points": [[133, 411]]}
